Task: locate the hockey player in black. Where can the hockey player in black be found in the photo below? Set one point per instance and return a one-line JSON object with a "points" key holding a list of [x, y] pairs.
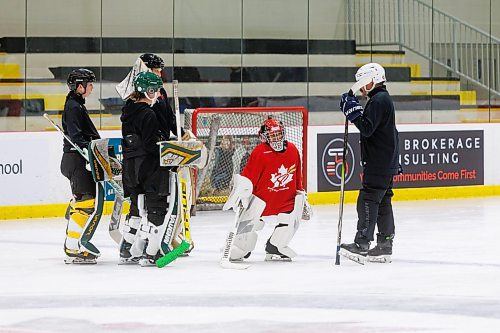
{"points": [[142, 174], [163, 111], [166, 124], [379, 157], [85, 208]]}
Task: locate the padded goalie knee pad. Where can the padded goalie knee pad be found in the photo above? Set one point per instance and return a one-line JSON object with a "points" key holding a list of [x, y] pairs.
{"points": [[283, 234], [244, 243]]}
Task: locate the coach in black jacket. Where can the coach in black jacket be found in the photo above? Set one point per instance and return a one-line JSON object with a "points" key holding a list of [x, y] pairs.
{"points": [[380, 161]]}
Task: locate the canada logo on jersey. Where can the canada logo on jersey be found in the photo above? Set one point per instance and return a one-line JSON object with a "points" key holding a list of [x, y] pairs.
{"points": [[282, 177]]}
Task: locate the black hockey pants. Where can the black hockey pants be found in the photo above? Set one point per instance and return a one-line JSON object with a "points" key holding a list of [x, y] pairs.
{"points": [[73, 168], [375, 208]]}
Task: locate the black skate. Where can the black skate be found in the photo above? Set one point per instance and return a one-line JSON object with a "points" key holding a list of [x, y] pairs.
{"points": [[355, 252], [273, 254], [81, 258], [125, 257], [382, 252]]}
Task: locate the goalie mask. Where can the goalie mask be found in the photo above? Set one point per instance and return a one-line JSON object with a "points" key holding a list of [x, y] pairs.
{"points": [[273, 132], [80, 76], [148, 84]]}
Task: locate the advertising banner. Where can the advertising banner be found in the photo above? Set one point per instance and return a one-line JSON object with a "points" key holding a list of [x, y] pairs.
{"points": [[428, 159]]}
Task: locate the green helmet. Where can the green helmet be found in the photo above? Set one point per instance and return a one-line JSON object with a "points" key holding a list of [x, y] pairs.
{"points": [[145, 82]]}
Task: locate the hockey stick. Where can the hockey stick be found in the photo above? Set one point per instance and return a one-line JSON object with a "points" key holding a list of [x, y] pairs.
{"points": [[342, 184], [354, 89], [225, 262], [184, 211], [173, 214], [111, 182]]}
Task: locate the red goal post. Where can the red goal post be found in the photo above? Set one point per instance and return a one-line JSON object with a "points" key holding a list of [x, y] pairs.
{"points": [[230, 135]]}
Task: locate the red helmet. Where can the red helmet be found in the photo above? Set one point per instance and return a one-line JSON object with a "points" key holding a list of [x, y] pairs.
{"points": [[273, 132]]}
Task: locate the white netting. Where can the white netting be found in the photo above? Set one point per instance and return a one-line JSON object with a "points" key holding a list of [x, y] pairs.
{"points": [[230, 135]]}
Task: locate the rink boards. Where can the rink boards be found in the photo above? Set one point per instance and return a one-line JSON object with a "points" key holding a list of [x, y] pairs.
{"points": [[440, 161]]}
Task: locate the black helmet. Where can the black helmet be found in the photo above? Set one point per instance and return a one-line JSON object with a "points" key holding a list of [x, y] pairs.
{"points": [[152, 60], [80, 76]]}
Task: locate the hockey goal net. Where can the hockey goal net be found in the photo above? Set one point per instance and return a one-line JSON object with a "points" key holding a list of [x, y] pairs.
{"points": [[230, 135]]}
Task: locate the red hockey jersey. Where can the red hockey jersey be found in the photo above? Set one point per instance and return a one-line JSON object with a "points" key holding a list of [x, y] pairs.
{"points": [[275, 177]]}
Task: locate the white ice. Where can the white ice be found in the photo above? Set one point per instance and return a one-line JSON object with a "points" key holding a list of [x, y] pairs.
{"points": [[445, 277]]}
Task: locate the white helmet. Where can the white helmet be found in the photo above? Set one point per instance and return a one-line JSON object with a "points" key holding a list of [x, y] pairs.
{"points": [[371, 72]]}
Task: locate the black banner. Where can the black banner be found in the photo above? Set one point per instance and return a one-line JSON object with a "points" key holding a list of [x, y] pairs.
{"points": [[429, 159]]}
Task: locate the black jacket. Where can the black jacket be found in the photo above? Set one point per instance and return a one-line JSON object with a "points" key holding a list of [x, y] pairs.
{"points": [[76, 123], [379, 136], [140, 130]]}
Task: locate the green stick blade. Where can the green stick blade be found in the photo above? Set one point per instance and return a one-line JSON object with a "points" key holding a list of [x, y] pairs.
{"points": [[172, 255]]}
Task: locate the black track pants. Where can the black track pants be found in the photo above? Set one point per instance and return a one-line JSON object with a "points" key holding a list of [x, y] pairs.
{"points": [[374, 207]]}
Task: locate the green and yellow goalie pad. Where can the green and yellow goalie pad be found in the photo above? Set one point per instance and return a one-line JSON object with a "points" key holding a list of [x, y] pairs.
{"points": [[191, 153]]}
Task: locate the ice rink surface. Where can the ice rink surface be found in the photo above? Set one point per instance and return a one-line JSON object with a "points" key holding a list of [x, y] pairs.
{"points": [[445, 277]]}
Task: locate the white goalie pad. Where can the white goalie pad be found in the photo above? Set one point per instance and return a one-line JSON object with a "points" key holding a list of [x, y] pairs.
{"points": [[288, 224], [248, 224], [126, 87], [249, 219], [183, 153], [241, 192]]}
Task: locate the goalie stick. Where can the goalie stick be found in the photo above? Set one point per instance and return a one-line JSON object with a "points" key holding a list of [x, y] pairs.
{"points": [[354, 89]]}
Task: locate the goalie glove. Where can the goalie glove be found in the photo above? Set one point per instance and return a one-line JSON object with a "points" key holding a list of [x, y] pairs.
{"points": [[241, 192], [307, 212]]}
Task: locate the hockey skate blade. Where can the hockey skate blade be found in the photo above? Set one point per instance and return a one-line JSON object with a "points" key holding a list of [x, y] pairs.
{"points": [[79, 261], [277, 257], [358, 259], [385, 259], [231, 265]]}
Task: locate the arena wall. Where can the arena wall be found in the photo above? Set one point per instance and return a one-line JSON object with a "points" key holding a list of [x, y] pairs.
{"points": [[32, 185]]}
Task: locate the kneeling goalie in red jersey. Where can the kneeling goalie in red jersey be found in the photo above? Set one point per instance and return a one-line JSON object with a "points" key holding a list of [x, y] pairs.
{"points": [[270, 184]]}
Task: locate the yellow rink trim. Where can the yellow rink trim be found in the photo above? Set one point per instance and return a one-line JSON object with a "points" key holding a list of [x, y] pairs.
{"points": [[49, 210], [428, 193], [467, 97], [10, 71], [318, 198], [51, 101]]}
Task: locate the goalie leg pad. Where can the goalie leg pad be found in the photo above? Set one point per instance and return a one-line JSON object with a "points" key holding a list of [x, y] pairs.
{"points": [[244, 242], [285, 230], [128, 230], [249, 223], [84, 217]]}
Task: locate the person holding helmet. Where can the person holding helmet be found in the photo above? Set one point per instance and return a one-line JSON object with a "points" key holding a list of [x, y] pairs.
{"points": [[273, 174], [85, 208], [141, 171], [380, 161]]}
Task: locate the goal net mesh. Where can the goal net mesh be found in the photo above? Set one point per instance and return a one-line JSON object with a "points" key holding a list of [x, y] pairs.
{"points": [[230, 135]]}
